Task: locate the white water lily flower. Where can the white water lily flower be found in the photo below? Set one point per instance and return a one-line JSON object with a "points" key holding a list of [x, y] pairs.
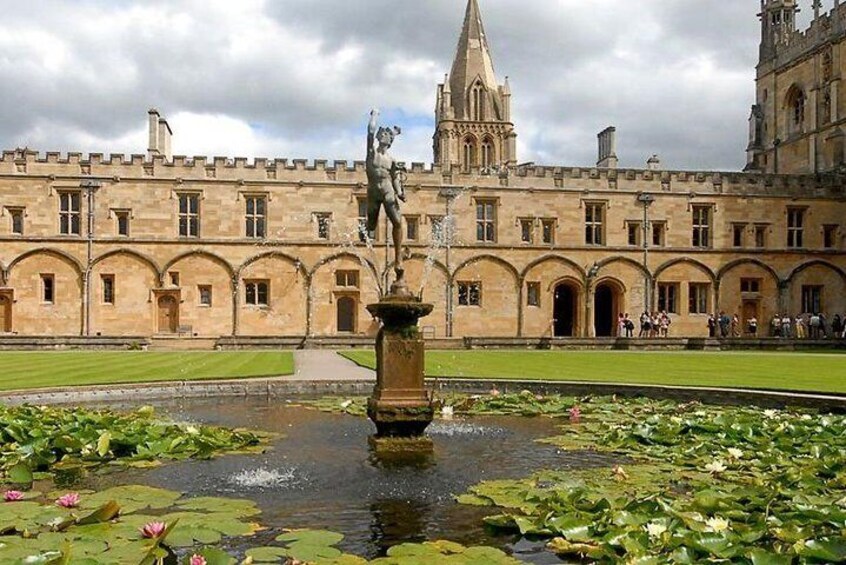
{"points": [[717, 524], [807, 417], [192, 430], [655, 530], [447, 412], [770, 413], [715, 467], [346, 404], [735, 453]]}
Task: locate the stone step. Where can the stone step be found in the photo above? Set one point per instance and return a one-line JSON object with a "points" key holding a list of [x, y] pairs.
{"points": [[165, 343]]}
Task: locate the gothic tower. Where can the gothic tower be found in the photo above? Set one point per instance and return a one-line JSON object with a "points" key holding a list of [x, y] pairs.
{"points": [[473, 113], [778, 22]]}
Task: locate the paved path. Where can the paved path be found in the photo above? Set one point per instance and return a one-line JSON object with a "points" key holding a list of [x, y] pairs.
{"points": [[321, 365]]}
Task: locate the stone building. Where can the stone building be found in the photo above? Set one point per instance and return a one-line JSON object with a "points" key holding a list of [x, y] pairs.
{"points": [[162, 244]]}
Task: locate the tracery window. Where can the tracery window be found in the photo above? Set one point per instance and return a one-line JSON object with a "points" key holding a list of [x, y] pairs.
{"points": [[469, 153]]}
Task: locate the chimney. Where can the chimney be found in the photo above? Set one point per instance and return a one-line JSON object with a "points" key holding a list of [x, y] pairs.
{"points": [[160, 135], [653, 163], [607, 148]]}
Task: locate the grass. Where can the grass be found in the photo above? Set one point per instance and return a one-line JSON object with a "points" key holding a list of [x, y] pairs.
{"points": [[809, 372], [27, 370]]}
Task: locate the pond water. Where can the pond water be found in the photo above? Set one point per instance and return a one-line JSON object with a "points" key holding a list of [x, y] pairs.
{"points": [[323, 474]]}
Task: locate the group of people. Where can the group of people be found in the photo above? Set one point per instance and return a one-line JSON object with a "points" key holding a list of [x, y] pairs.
{"points": [[656, 324], [808, 326]]}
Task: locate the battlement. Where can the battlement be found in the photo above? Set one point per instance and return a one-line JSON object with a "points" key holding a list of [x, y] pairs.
{"points": [[822, 30], [260, 170]]}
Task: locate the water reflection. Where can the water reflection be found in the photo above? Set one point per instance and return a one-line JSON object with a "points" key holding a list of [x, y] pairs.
{"points": [[324, 475]]}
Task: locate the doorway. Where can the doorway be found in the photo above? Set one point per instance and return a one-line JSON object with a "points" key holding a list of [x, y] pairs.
{"points": [[346, 314], [5, 314], [564, 311], [605, 310], [168, 314]]}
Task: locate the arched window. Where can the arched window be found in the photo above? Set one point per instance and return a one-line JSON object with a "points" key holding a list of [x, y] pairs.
{"points": [[469, 153], [477, 102], [487, 155], [795, 103]]}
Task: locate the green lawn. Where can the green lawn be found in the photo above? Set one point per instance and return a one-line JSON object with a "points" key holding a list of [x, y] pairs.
{"points": [[26, 370], [818, 372]]}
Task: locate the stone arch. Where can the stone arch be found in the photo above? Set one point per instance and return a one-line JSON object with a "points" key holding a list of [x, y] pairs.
{"points": [[499, 313], [608, 297], [487, 151], [434, 287], [205, 269], [74, 262], [133, 277], [725, 269], [628, 261], [123, 251], [3, 274], [272, 254], [469, 151], [815, 263], [198, 253], [686, 260], [556, 258], [63, 313], [540, 315], [287, 310], [324, 292]]}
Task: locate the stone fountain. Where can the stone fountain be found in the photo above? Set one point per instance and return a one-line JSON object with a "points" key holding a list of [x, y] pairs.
{"points": [[400, 406]]}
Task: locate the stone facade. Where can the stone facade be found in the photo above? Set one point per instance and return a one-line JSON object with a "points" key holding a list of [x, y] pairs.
{"points": [[154, 244]]}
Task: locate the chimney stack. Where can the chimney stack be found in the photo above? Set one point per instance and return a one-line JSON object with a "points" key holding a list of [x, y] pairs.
{"points": [[653, 163], [607, 148], [160, 135]]}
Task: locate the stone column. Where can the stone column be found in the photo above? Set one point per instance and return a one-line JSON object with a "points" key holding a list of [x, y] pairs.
{"points": [[590, 320], [783, 297]]}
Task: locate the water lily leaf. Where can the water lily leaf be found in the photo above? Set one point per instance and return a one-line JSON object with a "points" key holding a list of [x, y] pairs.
{"points": [[103, 514], [309, 553], [312, 537], [763, 557], [833, 549], [267, 554], [446, 547], [214, 556], [571, 528], [235, 507], [20, 474], [501, 521], [103, 444]]}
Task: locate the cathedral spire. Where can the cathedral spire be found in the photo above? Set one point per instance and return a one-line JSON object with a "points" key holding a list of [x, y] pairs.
{"points": [[473, 57]]}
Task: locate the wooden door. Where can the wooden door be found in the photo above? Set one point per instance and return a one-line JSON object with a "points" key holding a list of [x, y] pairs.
{"points": [[168, 315], [346, 315], [5, 314]]}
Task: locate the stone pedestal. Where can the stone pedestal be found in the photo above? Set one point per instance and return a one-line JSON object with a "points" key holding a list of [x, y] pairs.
{"points": [[400, 406]]}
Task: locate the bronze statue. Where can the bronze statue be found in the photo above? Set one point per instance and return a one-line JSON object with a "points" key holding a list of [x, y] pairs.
{"points": [[384, 186]]}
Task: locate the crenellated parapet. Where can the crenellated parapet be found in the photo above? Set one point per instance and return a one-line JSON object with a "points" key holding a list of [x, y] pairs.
{"points": [[823, 30], [241, 170]]}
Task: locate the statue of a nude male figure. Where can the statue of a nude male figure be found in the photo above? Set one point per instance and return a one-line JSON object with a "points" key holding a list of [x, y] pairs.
{"points": [[384, 185]]}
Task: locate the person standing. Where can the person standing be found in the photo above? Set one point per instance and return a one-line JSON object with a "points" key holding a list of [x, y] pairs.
{"points": [[735, 326], [752, 326], [776, 325], [712, 326], [786, 325], [629, 325], [621, 325], [837, 326], [724, 322], [815, 326], [800, 327]]}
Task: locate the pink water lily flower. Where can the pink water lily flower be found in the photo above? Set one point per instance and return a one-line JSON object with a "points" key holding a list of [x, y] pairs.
{"points": [[13, 496], [575, 414], [153, 530], [70, 500], [197, 560]]}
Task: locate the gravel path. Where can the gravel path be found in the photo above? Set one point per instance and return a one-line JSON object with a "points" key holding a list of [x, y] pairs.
{"points": [[321, 365]]}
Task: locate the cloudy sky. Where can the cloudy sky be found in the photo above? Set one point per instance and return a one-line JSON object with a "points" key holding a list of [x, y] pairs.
{"points": [[296, 78]]}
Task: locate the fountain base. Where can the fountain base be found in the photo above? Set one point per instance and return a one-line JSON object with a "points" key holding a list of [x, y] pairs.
{"points": [[400, 406]]}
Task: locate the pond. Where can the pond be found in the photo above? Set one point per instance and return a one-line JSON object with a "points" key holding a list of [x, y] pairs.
{"points": [[322, 474]]}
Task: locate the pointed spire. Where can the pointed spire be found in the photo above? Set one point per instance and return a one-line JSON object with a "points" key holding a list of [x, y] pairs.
{"points": [[472, 58]]}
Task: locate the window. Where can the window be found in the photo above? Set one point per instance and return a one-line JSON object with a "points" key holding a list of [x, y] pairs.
{"points": [[795, 227], [256, 292], [797, 105], [69, 207], [533, 293], [750, 285], [346, 279], [486, 221], [634, 233], [738, 235], [412, 228], [527, 230], [659, 234], [548, 231], [830, 237], [469, 294], [702, 226], [469, 153], [48, 289], [122, 222], [477, 102], [256, 217], [668, 298], [437, 225], [108, 284], [594, 219], [204, 291], [324, 222], [812, 299], [362, 220], [760, 236], [487, 153], [174, 278], [17, 217], [698, 298], [189, 215]]}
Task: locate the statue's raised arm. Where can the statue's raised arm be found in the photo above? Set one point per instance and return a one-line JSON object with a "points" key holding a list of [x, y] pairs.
{"points": [[372, 127]]}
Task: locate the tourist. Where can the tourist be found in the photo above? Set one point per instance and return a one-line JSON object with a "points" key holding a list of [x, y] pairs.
{"points": [[815, 326], [837, 326], [823, 326], [621, 325], [629, 326], [665, 324], [724, 321], [645, 324], [800, 327], [735, 326], [752, 326], [776, 325], [786, 326], [712, 326], [656, 325]]}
